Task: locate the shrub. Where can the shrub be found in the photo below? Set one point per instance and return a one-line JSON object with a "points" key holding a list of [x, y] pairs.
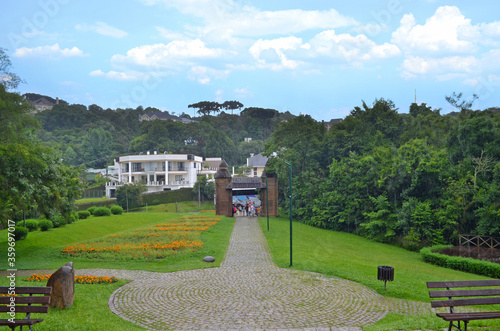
{"points": [[31, 224], [71, 218], [102, 211], [465, 264], [83, 214], [45, 225], [20, 233], [91, 209], [58, 221], [116, 210]]}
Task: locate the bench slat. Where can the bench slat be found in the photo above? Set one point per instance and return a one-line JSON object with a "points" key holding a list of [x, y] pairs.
{"points": [[464, 283], [450, 317], [24, 309], [464, 293], [465, 302], [21, 322], [26, 300], [26, 290]]}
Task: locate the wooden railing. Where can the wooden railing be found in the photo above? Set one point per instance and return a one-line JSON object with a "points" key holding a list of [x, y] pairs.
{"points": [[479, 241]]}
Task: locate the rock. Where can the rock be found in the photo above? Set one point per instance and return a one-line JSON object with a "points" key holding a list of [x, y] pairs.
{"points": [[63, 287], [209, 259]]}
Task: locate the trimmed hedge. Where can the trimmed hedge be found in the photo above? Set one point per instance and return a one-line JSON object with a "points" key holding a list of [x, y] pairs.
{"points": [[158, 198], [86, 206], [45, 225], [116, 210], [83, 214], [465, 264], [102, 211], [31, 224], [20, 233]]}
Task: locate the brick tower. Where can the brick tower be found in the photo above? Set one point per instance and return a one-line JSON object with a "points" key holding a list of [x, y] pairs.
{"points": [[223, 196]]}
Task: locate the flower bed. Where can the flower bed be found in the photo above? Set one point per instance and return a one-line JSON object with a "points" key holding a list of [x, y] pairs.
{"points": [[84, 279], [155, 242]]}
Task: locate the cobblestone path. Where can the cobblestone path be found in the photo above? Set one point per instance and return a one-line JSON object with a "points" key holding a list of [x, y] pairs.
{"points": [[248, 292]]}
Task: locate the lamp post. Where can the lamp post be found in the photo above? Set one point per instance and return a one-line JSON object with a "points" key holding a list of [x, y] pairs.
{"points": [[291, 200]]}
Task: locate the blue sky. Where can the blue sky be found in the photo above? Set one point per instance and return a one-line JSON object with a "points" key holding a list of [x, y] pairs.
{"points": [[313, 57]]}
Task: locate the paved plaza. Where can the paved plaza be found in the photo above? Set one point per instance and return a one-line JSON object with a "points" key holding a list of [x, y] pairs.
{"points": [[248, 292]]}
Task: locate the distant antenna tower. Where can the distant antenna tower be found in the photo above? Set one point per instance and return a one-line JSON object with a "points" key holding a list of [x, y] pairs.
{"points": [[416, 96]]}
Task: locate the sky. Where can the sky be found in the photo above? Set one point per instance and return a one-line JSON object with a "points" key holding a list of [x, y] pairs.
{"points": [[321, 58]]}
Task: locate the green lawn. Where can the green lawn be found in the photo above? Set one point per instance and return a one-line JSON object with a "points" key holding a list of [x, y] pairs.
{"points": [[91, 200], [42, 250], [355, 258]]}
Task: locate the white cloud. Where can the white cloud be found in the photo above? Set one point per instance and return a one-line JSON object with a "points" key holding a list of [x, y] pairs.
{"points": [[102, 29], [446, 31], [350, 48], [242, 92], [170, 35], [448, 46], [490, 34], [51, 52], [277, 46], [444, 68], [228, 18], [204, 75], [166, 55], [122, 76]]}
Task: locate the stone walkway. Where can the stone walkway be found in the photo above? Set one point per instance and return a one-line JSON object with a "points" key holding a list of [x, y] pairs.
{"points": [[248, 292]]}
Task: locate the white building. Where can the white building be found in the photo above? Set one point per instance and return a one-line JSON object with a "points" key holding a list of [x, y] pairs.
{"points": [[157, 172]]}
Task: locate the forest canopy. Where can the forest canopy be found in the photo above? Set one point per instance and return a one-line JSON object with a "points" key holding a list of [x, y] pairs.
{"points": [[411, 179]]}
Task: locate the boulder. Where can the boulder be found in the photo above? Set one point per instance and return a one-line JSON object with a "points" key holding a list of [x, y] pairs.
{"points": [[63, 287], [209, 259]]}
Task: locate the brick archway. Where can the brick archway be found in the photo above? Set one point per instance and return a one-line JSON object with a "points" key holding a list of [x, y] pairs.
{"points": [[224, 185]]}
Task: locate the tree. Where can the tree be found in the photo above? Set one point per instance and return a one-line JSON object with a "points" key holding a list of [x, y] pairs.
{"points": [[220, 145], [232, 105], [205, 188], [458, 102], [33, 177], [206, 107], [96, 148], [8, 79], [129, 196]]}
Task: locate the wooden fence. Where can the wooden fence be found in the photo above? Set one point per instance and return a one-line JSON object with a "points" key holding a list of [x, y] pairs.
{"points": [[478, 241]]}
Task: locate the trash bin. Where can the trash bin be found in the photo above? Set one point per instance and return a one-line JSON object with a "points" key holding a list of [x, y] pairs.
{"points": [[385, 273]]}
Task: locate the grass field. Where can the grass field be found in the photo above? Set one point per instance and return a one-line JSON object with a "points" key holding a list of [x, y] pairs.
{"points": [[91, 200], [344, 255], [42, 250]]}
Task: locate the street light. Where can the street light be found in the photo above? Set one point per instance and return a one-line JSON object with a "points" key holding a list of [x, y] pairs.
{"points": [[291, 200]]}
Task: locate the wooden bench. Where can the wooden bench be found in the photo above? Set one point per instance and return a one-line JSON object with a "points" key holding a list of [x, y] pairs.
{"points": [[27, 300], [478, 292]]}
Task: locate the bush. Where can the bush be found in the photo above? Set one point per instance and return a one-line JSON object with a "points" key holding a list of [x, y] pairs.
{"points": [[31, 224], [45, 225], [83, 214], [91, 209], [116, 210], [466, 264], [20, 233], [58, 221], [71, 218], [102, 211]]}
